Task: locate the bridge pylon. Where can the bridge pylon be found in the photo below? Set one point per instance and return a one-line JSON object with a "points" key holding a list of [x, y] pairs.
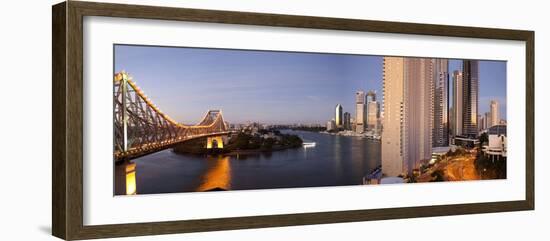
{"points": [[215, 142]]}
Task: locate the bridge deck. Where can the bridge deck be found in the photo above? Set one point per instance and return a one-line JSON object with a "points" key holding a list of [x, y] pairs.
{"points": [[150, 148]]}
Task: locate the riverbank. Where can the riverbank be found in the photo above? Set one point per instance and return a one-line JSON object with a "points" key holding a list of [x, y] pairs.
{"points": [[243, 143], [352, 134], [256, 151]]}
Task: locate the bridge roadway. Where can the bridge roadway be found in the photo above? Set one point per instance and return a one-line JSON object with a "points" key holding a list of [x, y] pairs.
{"points": [[150, 148]]}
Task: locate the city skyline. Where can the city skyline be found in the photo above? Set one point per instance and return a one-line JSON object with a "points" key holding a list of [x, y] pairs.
{"points": [[388, 115], [275, 87]]}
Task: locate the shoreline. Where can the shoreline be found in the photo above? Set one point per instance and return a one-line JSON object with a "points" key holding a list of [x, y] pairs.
{"points": [[256, 151], [351, 134], [238, 152]]}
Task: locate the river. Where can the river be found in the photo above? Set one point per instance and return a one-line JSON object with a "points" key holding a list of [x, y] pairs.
{"points": [[334, 161]]}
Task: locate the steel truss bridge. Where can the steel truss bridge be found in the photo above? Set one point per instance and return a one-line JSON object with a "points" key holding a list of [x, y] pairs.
{"points": [[141, 128]]}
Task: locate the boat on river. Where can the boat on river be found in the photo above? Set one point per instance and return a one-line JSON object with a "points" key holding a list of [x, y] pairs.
{"points": [[308, 144]]}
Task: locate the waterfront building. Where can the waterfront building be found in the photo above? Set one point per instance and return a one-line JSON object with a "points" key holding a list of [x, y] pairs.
{"points": [[372, 115], [360, 111], [331, 125], [393, 97], [347, 121], [408, 114], [372, 110], [441, 103], [339, 116], [495, 115]]}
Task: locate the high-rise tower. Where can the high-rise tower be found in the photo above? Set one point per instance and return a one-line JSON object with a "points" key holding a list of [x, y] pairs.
{"points": [[408, 113], [371, 96], [347, 121], [457, 103], [360, 111], [441, 103], [470, 71], [339, 116], [372, 115], [495, 115]]}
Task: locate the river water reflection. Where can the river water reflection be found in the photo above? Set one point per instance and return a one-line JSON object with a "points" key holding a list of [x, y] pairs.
{"points": [[334, 161]]}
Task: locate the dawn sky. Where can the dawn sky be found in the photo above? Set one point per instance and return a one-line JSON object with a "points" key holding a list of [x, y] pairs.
{"points": [[266, 86]]}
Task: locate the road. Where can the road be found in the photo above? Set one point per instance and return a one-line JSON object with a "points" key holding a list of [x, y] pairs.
{"points": [[461, 168], [454, 168]]}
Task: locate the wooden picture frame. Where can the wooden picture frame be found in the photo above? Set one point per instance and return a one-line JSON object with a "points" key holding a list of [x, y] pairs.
{"points": [[67, 123]]}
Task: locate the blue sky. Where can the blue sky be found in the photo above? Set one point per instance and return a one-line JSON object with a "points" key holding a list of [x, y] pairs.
{"points": [[267, 86]]}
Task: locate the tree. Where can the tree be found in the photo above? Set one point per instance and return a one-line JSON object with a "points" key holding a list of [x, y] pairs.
{"points": [[438, 176], [241, 141], [268, 144], [483, 138], [291, 140], [255, 142]]}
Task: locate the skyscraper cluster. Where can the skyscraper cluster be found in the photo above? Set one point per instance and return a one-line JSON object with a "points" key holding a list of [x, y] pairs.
{"points": [[367, 115], [491, 118], [417, 111], [465, 100], [425, 107], [367, 112]]}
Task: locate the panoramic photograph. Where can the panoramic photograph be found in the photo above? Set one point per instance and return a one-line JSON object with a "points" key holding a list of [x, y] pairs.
{"points": [[205, 119]]}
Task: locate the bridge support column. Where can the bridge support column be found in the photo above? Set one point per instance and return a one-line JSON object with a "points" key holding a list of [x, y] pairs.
{"points": [[213, 142]]}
